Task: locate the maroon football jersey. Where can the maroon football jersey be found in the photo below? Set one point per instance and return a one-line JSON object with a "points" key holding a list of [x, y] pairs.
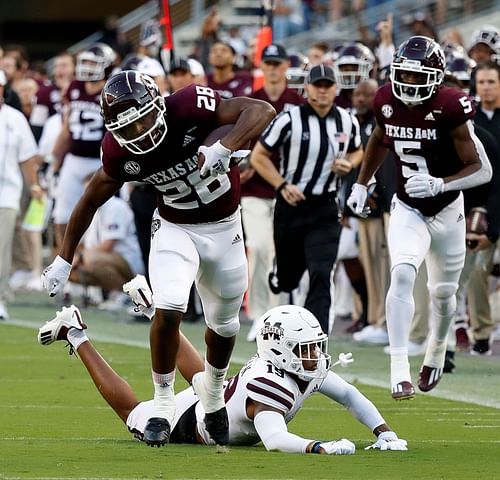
{"points": [[47, 103], [257, 186], [172, 167], [344, 99], [420, 138], [85, 121], [239, 86]]}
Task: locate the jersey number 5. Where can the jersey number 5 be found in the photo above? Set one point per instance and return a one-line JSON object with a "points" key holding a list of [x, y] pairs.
{"points": [[412, 164]]}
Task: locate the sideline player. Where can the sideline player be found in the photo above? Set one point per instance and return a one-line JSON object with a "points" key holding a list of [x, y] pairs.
{"points": [[429, 128], [262, 398], [196, 231]]}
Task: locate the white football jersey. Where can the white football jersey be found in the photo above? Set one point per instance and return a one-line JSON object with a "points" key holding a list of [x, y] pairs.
{"points": [[261, 381]]}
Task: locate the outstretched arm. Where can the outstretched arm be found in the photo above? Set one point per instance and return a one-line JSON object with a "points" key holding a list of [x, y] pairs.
{"points": [[99, 190], [270, 424], [115, 390], [363, 409]]}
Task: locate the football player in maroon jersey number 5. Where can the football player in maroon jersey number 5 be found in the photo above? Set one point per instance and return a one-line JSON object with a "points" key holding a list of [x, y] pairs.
{"points": [[429, 129], [196, 230]]}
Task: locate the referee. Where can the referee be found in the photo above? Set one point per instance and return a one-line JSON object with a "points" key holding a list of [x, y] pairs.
{"points": [[318, 144]]}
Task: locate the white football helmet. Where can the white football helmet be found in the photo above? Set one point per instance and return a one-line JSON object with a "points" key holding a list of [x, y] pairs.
{"points": [[291, 338]]}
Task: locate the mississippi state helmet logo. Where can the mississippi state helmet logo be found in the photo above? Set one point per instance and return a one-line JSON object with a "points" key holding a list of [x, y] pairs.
{"points": [[272, 332], [132, 168]]}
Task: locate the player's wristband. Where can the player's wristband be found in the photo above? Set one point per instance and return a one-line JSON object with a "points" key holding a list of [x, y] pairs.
{"points": [[316, 447], [282, 186]]}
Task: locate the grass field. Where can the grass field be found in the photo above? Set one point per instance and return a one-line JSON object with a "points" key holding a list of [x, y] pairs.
{"points": [[54, 424]]}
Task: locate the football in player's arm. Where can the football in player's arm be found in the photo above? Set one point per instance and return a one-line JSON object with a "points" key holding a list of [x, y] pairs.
{"points": [[196, 231], [262, 398]]}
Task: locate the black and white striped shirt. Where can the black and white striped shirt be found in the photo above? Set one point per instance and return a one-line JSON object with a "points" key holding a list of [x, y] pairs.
{"points": [[309, 144]]}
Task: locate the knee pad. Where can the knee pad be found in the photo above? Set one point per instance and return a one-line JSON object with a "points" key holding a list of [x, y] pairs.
{"points": [[444, 290], [403, 279], [227, 329]]}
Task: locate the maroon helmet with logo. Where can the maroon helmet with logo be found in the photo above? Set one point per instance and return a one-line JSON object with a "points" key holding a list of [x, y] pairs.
{"points": [[353, 64], [417, 70], [95, 63], [134, 111]]}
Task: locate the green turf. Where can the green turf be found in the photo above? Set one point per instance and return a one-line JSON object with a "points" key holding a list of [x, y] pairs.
{"points": [[54, 424]]}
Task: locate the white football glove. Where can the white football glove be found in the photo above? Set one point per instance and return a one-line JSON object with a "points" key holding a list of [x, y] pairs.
{"points": [[56, 275], [339, 447], [344, 360], [140, 293], [423, 185], [357, 200], [217, 158], [389, 441]]}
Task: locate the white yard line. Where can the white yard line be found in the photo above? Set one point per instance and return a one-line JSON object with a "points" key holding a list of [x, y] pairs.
{"points": [[366, 379]]}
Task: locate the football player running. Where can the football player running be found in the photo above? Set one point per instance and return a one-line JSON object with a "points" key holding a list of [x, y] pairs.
{"points": [[429, 129], [196, 230], [292, 363]]}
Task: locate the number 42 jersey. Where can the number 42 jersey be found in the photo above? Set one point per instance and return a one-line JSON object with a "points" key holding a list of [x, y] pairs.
{"points": [[172, 167], [421, 139]]}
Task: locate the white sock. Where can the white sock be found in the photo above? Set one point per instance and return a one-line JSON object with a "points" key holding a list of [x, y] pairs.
{"points": [[164, 397], [435, 353], [400, 366], [400, 305], [214, 383], [76, 337]]}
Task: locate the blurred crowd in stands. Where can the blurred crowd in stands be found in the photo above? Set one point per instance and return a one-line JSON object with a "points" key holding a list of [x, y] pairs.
{"points": [[63, 133]]}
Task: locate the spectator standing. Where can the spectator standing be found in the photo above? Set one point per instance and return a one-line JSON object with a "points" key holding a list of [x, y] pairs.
{"points": [[223, 79], [17, 147]]}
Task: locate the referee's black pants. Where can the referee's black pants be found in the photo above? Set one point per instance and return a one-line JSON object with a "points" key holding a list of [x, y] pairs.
{"points": [[307, 237]]}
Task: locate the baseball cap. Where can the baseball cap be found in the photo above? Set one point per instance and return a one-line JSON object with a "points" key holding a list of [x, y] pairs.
{"points": [[274, 52], [179, 63], [321, 72]]}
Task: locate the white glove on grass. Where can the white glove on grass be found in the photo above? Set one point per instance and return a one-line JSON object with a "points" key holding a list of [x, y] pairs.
{"points": [[339, 447], [389, 441]]}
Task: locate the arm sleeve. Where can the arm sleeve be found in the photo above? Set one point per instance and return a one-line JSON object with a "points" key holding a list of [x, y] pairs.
{"points": [[352, 399], [483, 175], [274, 433]]}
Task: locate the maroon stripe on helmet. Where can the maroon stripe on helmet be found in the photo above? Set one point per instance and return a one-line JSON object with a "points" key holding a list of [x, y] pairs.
{"points": [[271, 395], [270, 383]]}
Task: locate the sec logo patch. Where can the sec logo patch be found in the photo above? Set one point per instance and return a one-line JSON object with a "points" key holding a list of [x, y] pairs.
{"points": [[387, 111], [132, 168]]}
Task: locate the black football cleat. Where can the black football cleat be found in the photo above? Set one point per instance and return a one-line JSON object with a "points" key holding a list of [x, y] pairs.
{"points": [[217, 425], [157, 432], [403, 391], [429, 377]]}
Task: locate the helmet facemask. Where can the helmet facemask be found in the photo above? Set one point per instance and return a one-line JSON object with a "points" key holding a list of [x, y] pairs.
{"points": [[291, 338], [351, 72], [428, 79], [140, 130], [90, 67]]}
